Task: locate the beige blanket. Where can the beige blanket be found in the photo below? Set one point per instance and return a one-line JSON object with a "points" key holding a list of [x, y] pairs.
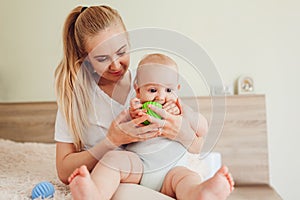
{"points": [[23, 165]]}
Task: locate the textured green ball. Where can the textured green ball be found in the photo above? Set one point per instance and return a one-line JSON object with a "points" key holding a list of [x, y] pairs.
{"points": [[149, 111]]}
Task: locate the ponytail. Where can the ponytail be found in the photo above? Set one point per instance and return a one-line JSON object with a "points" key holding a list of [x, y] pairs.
{"points": [[68, 83], [73, 81]]}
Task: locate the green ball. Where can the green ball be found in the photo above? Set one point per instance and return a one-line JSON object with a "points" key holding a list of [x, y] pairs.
{"points": [[150, 112]]}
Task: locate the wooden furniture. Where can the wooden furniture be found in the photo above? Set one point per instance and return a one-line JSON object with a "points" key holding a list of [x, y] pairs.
{"points": [[242, 143]]}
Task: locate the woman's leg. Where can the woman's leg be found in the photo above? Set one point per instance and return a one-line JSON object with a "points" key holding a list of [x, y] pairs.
{"points": [[182, 183], [114, 168]]}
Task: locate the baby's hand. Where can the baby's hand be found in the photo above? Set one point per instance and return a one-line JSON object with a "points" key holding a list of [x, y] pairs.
{"points": [[135, 108], [171, 107]]}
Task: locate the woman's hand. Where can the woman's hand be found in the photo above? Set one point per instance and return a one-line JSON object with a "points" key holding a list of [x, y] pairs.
{"points": [[123, 130], [176, 127], [135, 109], [170, 124]]}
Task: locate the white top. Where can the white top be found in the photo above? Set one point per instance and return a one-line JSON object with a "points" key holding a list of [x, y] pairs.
{"points": [[105, 110]]}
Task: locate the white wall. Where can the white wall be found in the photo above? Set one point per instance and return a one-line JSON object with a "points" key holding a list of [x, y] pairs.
{"points": [[259, 38]]}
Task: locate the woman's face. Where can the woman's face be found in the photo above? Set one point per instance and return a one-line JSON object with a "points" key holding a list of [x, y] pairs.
{"points": [[108, 53]]}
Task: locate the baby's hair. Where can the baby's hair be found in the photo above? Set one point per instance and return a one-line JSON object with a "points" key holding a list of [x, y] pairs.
{"points": [[158, 64], [157, 58]]}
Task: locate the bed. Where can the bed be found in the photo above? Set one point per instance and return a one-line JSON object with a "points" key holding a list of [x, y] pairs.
{"points": [[28, 150]]}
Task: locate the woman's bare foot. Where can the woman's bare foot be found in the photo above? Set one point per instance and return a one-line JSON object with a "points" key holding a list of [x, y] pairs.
{"points": [[82, 186], [218, 187]]}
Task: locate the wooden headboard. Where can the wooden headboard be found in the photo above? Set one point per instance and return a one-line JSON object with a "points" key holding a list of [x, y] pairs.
{"points": [[28, 122], [243, 142]]}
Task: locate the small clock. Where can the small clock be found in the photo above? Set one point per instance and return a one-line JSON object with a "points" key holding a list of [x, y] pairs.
{"points": [[245, 85]]}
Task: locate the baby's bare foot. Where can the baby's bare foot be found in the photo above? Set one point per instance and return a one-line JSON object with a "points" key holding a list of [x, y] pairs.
{"points": [[218, 187], [82, 186], [73, 175]]}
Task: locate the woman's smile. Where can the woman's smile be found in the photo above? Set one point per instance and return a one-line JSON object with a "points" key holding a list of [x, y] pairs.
{"points": [[116, 73]]}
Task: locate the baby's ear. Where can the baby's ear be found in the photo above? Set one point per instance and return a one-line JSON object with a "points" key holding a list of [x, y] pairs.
{"points": [[137, 90]]}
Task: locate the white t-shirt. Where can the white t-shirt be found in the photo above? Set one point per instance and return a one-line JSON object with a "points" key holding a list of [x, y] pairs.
{"points": [[105, 110], [157, 154]]}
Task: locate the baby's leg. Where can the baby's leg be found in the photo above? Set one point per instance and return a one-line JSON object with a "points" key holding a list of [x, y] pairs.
{"points": [[115, 167], [182, 183]]}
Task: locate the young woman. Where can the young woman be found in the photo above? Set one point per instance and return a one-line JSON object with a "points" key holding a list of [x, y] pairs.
{"points": [[93, 86]]}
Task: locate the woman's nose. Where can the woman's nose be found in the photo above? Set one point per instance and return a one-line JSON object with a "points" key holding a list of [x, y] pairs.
{"points": [[115, 64]]}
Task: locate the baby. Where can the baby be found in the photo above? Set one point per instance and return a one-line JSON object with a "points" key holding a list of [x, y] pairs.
{"points": [[156, 163], [156, 83]]}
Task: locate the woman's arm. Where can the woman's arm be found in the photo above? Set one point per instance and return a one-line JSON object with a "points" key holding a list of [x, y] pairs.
{"points": [[189, 129], [199, 125], [120, 132], [67, 160], [182, 131], [197, 121]]}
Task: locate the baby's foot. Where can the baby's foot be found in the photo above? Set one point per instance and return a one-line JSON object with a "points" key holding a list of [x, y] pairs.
{"points": [[73, 175], [82, 186], [218, 187]]}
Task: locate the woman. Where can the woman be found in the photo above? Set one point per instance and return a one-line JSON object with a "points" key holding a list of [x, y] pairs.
{"points": [[93, 86]]}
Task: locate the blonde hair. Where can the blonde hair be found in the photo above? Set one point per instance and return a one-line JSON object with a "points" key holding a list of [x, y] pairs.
{"points": [[74, 89]]}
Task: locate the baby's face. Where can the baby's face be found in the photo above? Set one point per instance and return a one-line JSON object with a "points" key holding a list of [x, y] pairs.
{"points": [[157, 93]]}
